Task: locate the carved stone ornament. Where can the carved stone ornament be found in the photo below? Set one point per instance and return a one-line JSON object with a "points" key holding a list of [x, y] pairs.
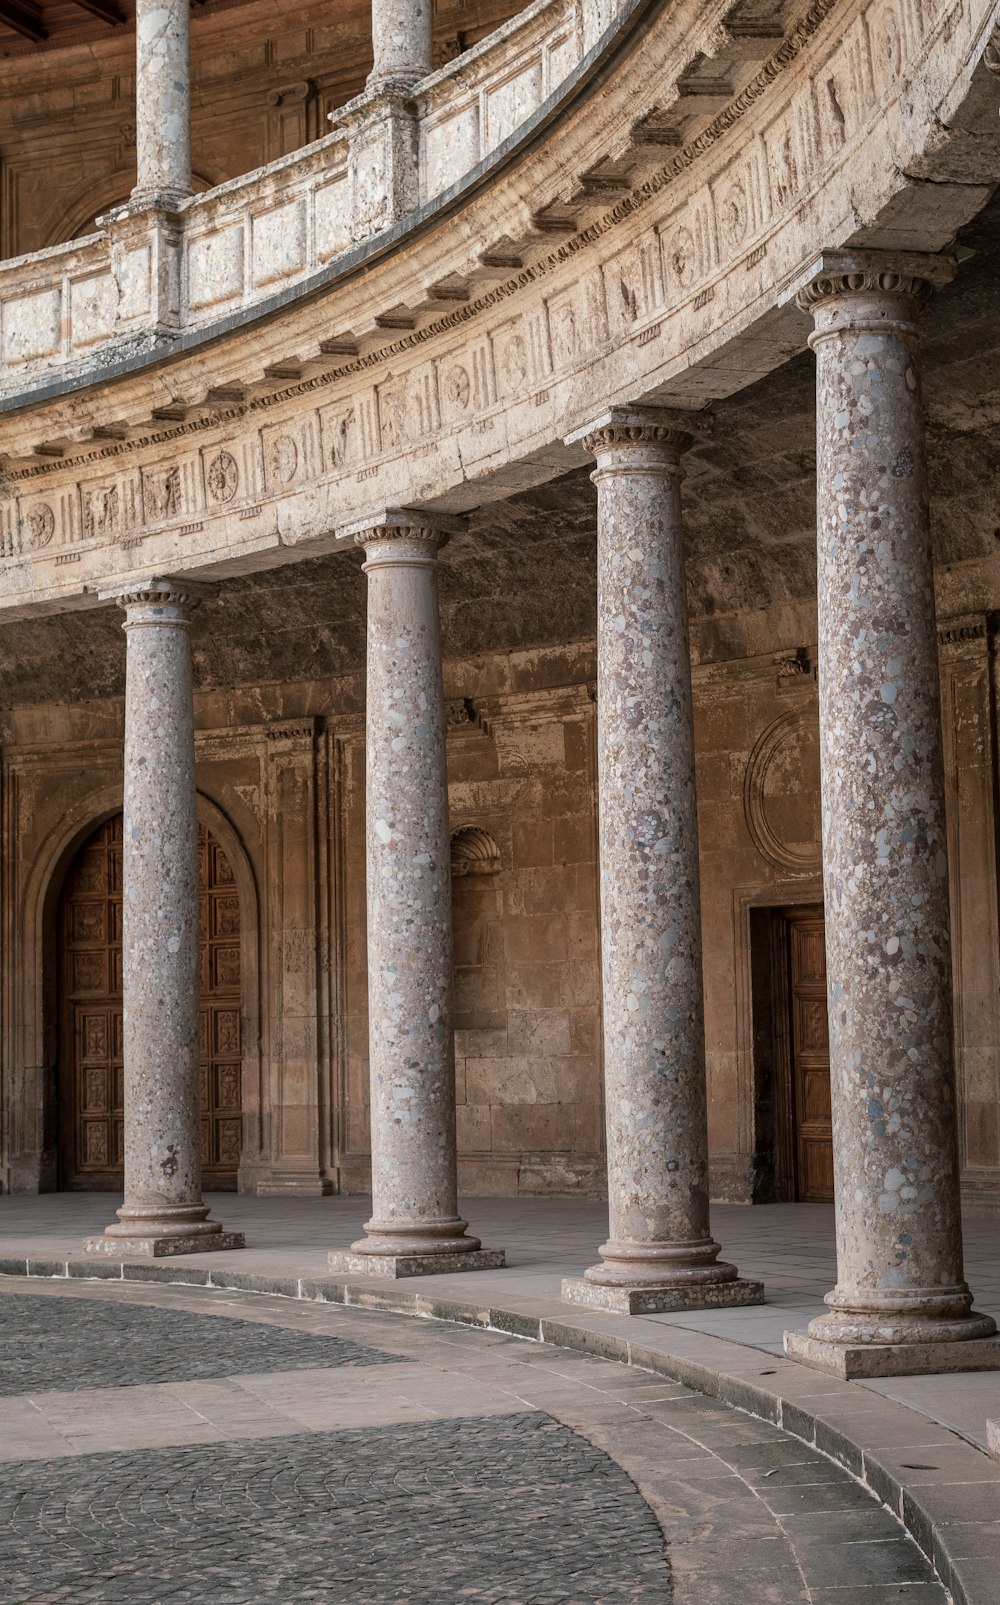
{"points": [[641, 426], [910, 276], [781, 793], [222, 477], [153, 591], [474, 852]]}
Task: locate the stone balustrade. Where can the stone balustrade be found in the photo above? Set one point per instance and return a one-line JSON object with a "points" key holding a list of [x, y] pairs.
{"points": [[149, 275]]}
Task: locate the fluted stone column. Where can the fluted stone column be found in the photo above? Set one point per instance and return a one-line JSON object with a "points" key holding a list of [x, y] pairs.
{"points": [[163, 1212], [901, 1302], [415, 1226], [660, 1254], [162, 102], [401, 43]]}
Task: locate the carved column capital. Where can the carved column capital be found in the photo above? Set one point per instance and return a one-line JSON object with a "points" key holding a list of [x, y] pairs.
{"points": [[403, 535], [624, 429], [878, 288], [166, 600]]}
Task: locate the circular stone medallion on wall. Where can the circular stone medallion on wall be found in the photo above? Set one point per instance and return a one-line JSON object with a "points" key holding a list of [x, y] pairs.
{"points": [[781, 796]]}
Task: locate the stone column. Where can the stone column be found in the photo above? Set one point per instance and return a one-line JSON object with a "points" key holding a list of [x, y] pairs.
{"points": [[901, 1303], [402, 48], [163, 1211], [660, 1254], [415, 1226], [162, 102]]}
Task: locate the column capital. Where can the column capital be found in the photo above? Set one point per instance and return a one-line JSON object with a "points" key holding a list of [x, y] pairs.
{"points": [[403, 534], [158, 592], [666, 427], [860, 276]]}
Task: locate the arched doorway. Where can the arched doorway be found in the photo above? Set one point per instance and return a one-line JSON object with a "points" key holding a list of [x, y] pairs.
{"points": [[91, 1099]]}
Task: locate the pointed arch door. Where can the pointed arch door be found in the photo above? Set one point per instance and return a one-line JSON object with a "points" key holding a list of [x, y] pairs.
{"points": [[91, 1087]]}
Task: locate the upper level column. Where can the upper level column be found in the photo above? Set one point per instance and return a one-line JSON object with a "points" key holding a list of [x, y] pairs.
{"points": [[901, 1303], [661, 1254], [401, 43], [163, 1212], [415, 1225], [162, 102]]}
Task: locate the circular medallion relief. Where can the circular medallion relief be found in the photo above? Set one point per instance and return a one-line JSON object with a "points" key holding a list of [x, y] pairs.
{"points": [[781, 796], [223, 477], [283, 459], [39, 524]]}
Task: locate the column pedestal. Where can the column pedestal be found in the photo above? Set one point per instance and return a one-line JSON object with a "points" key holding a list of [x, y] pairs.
{"points": [[901, 1304], [415, 1229], [661, 1255], [163, 1213]]}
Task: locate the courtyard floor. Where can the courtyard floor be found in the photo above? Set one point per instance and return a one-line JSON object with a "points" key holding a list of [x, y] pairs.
{"points": [[166, 1441]]}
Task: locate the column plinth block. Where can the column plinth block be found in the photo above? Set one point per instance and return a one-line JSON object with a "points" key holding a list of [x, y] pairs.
{"points": [[663, 1298], [163, 1247], [345, 1262], [855, 1361]]}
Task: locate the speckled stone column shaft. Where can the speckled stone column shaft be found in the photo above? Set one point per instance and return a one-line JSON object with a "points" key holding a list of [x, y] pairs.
{"points": [[401, 43], [654, 1035], [899, 1233], [162, 101], [414, 1202], [160, 934]]}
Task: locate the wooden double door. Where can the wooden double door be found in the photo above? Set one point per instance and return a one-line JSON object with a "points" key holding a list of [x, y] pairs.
{"points": [[91, 1070], [809, 1054]]}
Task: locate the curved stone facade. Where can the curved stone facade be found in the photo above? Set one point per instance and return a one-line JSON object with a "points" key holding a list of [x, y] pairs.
{"points": [[408, 319]]}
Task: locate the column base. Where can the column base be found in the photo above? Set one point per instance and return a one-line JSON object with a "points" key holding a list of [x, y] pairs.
{"points": [[153, 1247], [345, 1262], [294, 1187], [856, 1361], [665, 1298]]}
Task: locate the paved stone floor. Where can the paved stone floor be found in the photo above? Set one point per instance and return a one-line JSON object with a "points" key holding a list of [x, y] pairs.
{"points": [[790, 1247], [295, 1451]]}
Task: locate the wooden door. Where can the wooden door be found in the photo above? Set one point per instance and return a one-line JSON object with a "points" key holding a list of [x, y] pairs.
{"points": [[91, 1086], [810, 1054]]}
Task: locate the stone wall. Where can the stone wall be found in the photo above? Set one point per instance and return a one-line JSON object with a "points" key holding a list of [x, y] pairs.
{"points": [[281, 783]]}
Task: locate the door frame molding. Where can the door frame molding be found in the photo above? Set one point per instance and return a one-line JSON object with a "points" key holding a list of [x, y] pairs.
{"points": [[35, 1024]]}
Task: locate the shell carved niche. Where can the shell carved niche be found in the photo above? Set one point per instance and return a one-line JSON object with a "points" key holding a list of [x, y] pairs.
{"points": [[474, 852]]}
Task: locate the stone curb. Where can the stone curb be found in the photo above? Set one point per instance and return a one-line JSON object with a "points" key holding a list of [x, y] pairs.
{"points": [[870, 1436]]}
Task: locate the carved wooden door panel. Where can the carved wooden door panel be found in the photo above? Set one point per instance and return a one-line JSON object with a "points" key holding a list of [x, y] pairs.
{"points": [[810, 1054], [91, 1091]]}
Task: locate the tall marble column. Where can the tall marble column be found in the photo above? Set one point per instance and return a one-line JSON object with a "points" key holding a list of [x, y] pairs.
{"points": [[660, 1254], [401, 44], [901, 1303], [162, 102], [163, 1212], [415, 1226]]}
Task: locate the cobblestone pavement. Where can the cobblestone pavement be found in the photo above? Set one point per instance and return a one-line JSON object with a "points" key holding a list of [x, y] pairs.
{"points": [[494, 1510], [82, 1343], [456, 1465]]}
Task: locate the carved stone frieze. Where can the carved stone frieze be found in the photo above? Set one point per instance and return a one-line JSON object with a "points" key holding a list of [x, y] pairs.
{"points": [[622, 307]]}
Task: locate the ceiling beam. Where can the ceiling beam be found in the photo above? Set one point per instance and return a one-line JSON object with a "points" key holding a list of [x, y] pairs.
{"points": [[105, 9], [25, 17]]}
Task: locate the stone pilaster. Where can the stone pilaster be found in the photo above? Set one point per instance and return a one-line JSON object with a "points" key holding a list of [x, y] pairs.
{"points": [[163, 1212], [901, 1303], [162, 102], [415, 1227], [660, 1254]]}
